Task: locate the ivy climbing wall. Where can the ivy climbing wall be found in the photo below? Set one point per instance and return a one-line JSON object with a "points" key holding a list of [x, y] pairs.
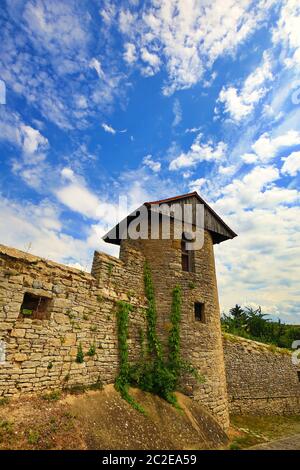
{"points": [[200, 341]]}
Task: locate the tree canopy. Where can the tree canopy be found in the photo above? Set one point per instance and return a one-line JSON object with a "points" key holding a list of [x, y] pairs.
{"points": [[253, 324]]}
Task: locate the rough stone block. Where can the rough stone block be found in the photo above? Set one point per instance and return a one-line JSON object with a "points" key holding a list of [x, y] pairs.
{"points": [[18, 333], [20, 357]]}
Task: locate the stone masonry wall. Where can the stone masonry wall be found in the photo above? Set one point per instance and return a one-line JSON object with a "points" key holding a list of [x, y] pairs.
{"points": [[260, 379], [40, 354]]}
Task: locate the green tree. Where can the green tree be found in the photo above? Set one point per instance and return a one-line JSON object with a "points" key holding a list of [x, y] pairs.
{"points": [[251, 323]]}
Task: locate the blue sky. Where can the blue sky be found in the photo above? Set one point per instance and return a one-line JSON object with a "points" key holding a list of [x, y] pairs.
{"points": [[152, 99]]}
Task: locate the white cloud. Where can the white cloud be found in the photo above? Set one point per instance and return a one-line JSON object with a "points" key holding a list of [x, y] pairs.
{"points": [[239, 104], [33, 140], [108, 12], [208, 83], [79, 199], [10, 128], [192, 130], [111, 130], [31, 164], [68, 174], [108, 128], [286, 32], [227, 170], [199, 152], [152, 60], [234, 104], [249, 157], [153, 165], [37, 228], [291, 164], [61, 36], [189, 36], [256, 190], [177, 112], [96, 65], [267, 147], [197, 184], [126, 21], [75, 194], [262, 260], [129, 53]]}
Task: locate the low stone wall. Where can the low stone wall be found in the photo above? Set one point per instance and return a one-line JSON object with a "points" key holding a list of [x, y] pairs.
{"points": [[41, 354], [261, 379]]}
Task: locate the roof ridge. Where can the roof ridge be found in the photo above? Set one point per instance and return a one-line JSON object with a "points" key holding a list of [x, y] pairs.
{"points": [[182, 196], [194, 193]]}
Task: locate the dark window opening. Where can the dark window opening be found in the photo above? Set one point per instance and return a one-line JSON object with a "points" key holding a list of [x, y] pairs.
{"points": [[298, 373], [187, 256], [35, 307], [199, 311]]}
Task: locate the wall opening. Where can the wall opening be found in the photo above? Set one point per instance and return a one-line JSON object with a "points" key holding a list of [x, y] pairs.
{"points": [[35, 307], [187, 256], [298, 373], [199, 311]]}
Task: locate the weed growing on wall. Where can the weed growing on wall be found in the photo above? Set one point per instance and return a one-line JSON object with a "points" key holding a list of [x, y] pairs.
{"points": [[80, 355], [92, 350]]}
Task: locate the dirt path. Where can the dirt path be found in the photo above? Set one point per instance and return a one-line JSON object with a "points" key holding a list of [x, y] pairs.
{"points": [[286, 443]]}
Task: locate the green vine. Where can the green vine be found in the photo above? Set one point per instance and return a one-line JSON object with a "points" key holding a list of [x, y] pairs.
{"points": [[174, 335], [122, 381], [154, 346]]}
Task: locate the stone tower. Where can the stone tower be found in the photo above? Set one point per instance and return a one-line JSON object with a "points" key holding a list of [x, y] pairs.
{"points": [[173, 263]]}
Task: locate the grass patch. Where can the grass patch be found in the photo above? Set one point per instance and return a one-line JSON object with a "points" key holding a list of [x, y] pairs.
{"points": [[6, 431], [77, 389], [33, 437], [96, 386], [245, 441], [52, 396], [4, 401], [259, 429]]}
